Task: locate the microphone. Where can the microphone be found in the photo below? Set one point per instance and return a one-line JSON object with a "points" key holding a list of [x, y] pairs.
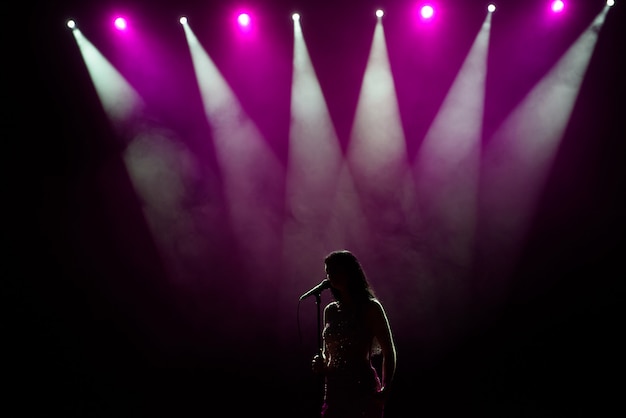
{"points": [[324, 284]]}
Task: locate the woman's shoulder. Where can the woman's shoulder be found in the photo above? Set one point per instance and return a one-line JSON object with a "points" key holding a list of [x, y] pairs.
{"points": [[374, 305], [332, 306]]}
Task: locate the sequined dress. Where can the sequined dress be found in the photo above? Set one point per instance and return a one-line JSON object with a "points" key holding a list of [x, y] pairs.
{"points": [[351, 380]]}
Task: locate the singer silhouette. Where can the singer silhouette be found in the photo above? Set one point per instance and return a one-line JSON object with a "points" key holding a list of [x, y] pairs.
{"points": [[356, 330]]}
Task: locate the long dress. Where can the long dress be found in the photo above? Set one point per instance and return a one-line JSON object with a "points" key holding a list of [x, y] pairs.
{"points": [[351, 380]]}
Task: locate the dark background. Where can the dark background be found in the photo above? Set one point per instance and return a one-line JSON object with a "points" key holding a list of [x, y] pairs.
{"points": [[100, 329]]}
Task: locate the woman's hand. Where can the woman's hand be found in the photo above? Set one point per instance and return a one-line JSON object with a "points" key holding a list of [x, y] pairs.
{"points": [[318, 364]]}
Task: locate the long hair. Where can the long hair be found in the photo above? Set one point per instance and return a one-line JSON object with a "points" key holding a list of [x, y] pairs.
{"points": [[358, 285], [347, 263]]}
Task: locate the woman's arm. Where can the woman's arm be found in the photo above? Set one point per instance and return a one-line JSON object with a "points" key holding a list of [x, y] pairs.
{"points": [[320, 360], [382, 331]]}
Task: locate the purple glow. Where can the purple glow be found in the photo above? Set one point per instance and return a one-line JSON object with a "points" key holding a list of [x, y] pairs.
{"points": [[418, 144], [120, 23], [557, 6]]}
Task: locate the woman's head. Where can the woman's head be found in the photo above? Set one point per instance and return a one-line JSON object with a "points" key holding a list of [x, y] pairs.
{"points": [[346, 274]]}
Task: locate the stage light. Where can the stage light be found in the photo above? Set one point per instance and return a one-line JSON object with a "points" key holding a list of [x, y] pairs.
{"points": [[379, 13], [71, 24], [295, 17], [557, 6], [120, 23], [183, 20], [610, 3], [491, 8], [427, 11], [243, 19]]}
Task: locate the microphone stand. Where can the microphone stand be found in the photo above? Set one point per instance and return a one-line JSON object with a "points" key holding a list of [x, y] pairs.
{"points": [[317, 295], [319, 344], [319, 321]]}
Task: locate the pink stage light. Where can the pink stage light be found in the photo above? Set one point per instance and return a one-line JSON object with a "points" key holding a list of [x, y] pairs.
{"points": [[243, 19], [120, 23], [557, 6], [427, 11]]}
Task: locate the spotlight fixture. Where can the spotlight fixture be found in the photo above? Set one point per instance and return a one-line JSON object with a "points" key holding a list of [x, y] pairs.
{"points": [[183, 20], [295, 17], [244, 19], [379, 13], [120, 23], [427, 11], [610, 3], [557, 6], [491, 8], [71, 24]]}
